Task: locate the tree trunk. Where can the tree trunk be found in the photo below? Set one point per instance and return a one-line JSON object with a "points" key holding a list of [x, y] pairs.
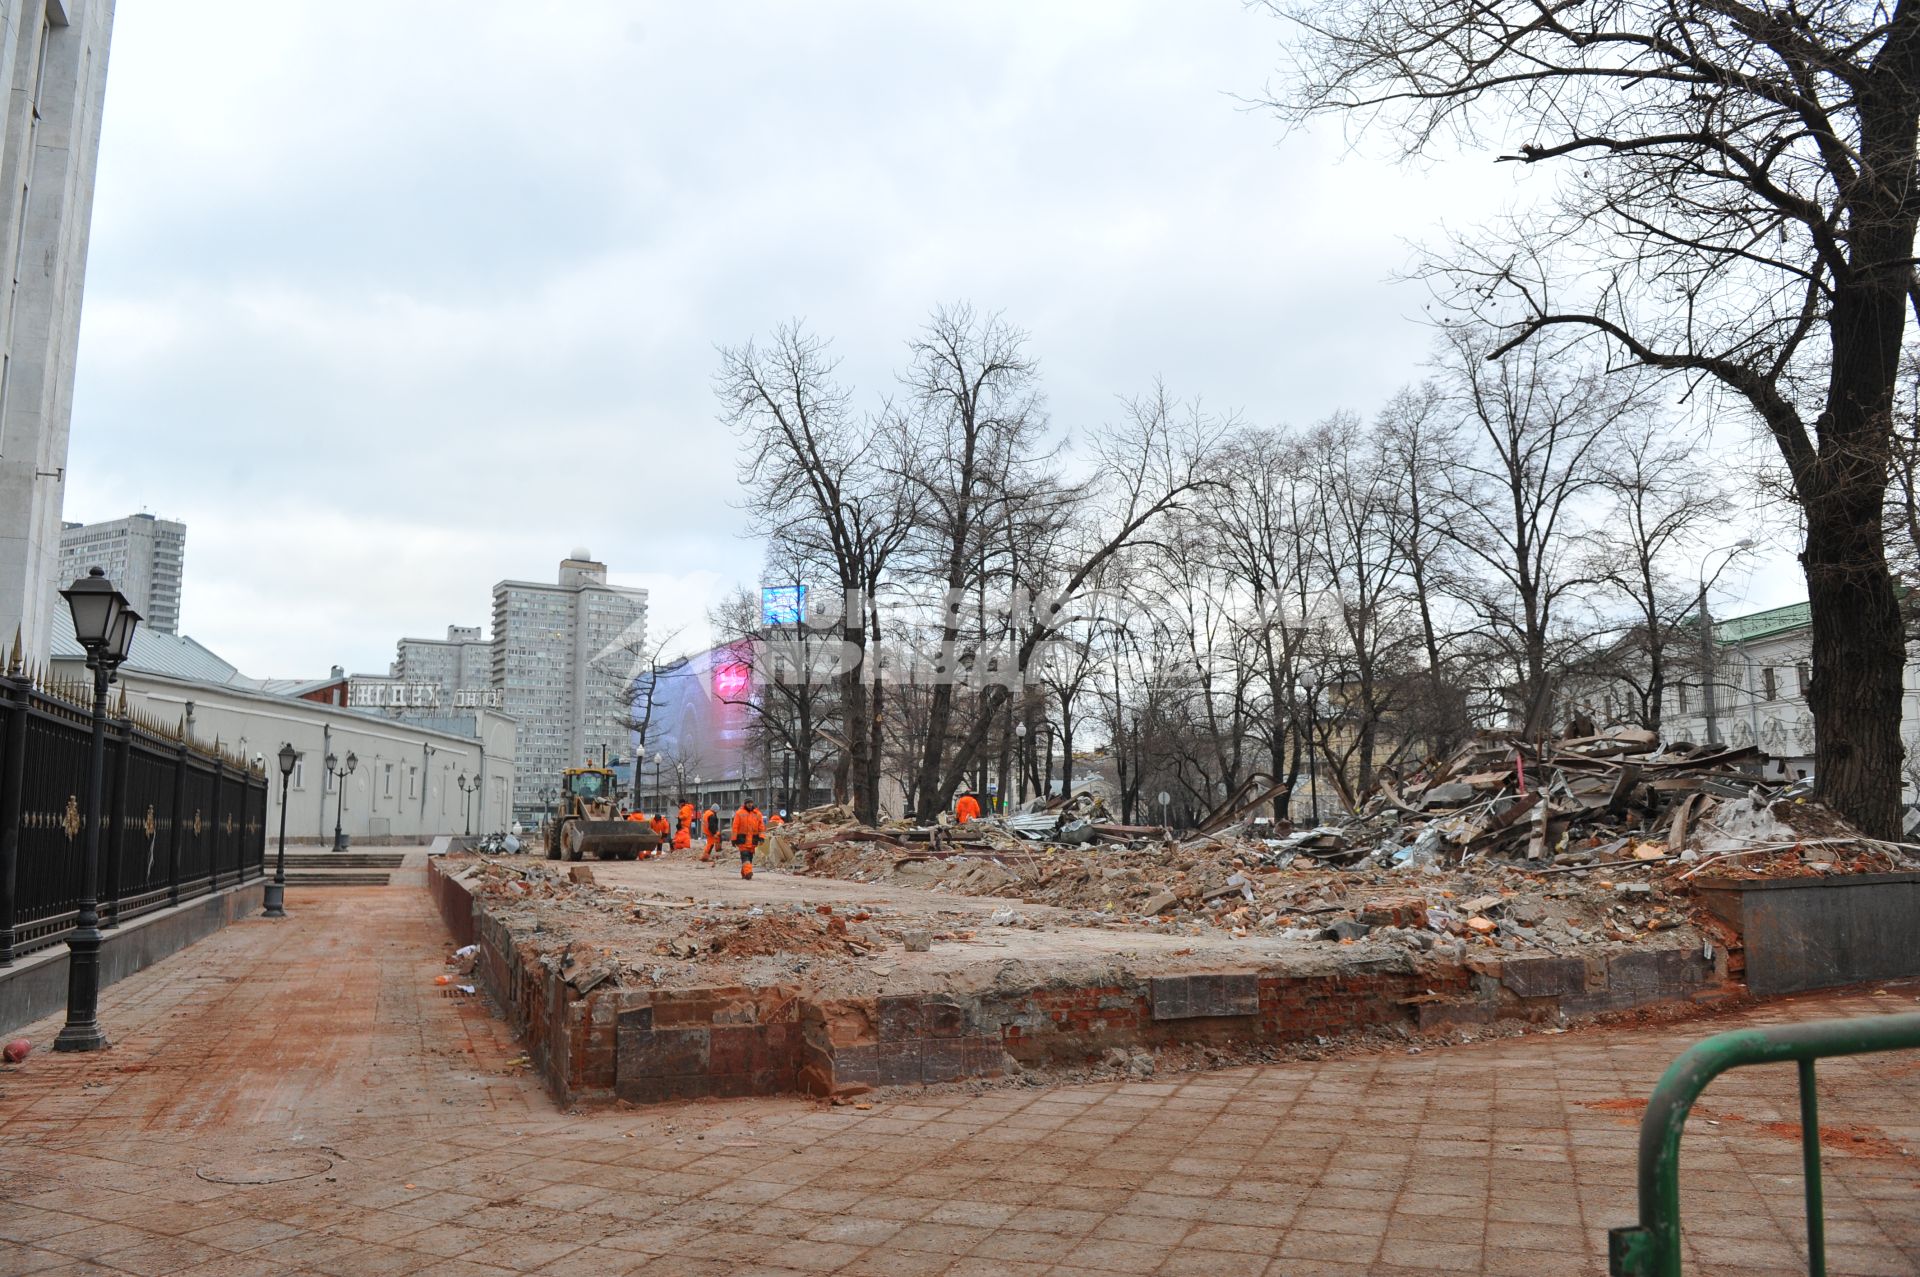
{"points": [[1859, 654], [854, 720], [1859, 644]]}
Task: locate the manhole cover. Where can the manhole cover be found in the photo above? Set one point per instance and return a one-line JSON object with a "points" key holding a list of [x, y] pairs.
{"points": [[265, 1168]]}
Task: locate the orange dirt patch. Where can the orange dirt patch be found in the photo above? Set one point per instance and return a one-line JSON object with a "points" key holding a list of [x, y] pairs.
{"points": [[1860, 1141], [1615, 1106]]}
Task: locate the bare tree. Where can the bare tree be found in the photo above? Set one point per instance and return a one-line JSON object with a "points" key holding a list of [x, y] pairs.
{"points": [[1149, 465], [972, 454], [826, 498], [1737, 207], [1660, 501], [1539, 420], [1420, 441]]}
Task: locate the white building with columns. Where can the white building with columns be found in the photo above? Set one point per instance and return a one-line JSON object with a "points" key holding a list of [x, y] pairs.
{"points": [[53, 60], [1762, 663]]}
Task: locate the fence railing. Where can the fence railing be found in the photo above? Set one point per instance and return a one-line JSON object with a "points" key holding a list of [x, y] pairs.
{"points": [[179, 818], [1651, 1248]]}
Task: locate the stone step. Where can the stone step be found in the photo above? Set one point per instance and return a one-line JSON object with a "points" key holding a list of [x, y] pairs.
{"points": [[338, 878], [341, 860]]}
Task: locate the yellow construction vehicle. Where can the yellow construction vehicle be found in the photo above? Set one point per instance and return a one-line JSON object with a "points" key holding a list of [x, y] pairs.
{"points": [[586, 820]]}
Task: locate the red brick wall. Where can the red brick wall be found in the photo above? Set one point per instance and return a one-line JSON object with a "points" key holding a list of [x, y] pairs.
{"points": [[648, 1044]]}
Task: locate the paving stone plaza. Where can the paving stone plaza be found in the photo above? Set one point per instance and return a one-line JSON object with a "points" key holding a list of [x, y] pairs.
{"points": [[302, 1098]]}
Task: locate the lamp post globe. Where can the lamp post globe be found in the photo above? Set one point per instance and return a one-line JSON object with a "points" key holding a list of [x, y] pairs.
{"points": [[104, 625], [276, 895]]}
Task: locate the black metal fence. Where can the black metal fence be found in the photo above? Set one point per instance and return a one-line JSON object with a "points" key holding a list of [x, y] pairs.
{"points": [[179, 818]]}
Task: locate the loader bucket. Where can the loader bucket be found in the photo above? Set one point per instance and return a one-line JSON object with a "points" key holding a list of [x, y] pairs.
{"points": [[608, 839]]}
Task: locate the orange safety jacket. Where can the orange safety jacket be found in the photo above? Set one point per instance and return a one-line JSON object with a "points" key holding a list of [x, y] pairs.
{"points": [[747, 828], [968, 808], [660, 826]]}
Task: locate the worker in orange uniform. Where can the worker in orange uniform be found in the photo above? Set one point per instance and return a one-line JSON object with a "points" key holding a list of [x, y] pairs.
{"points": [[686, 817], [967, 808], [682, 838], [776, 820], [748, 825], [660, 829], [711, 822]]}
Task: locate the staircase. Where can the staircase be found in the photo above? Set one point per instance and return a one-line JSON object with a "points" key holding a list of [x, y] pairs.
{"points": [[340, 868]]}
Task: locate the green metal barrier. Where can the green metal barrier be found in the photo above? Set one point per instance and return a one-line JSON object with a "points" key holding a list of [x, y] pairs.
{"points": [[1651, 1248]]}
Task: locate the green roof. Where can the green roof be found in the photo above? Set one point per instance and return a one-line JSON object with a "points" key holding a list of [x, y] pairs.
{"points": [[1759, 625]]}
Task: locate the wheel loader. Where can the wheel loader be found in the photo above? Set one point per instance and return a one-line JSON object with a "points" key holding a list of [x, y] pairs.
{"points": [[586, 820]]}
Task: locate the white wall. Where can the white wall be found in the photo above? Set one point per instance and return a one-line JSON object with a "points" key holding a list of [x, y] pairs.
{"points": [[406, 782]]}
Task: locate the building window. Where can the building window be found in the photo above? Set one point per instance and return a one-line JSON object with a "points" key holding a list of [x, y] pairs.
{"points": [[1681, 691], [1804, 675], [387, 780], [1768, 687], [300, 773], [413, 782]]}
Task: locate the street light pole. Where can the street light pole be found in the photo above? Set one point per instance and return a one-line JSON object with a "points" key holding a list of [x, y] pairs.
{"points": [[1020, 757], [340, 775], [104, 625], [465, 806], [276, 896]]}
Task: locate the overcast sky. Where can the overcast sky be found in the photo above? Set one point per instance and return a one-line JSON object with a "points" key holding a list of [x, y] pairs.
{"points": [[388, 304]]}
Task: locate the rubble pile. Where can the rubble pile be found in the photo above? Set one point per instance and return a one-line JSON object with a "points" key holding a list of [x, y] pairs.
{"points": [[1513, 845]]}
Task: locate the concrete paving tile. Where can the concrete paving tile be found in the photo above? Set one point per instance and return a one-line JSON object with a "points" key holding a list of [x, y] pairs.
{"points": [[256, 1264], [1150, 1229], [30, 1224], [1213, 1263], [18, 1258], [973, 1267], [1500, 1261], [158, 1255], [899, 1263], [1031, 1248], [1301, 1243], [91, 1243]]}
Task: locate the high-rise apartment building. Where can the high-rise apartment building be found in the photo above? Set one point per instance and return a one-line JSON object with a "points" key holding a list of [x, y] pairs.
{"points": [[564, 656], [459, 666], [53, 64], [143, 556]]}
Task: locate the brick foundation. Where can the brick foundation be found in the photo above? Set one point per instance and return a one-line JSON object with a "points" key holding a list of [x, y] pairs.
{"points": [[650, 1045]]}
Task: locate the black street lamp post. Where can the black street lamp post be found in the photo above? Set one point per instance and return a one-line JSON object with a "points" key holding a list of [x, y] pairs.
{"points": [[276, 901], [340, 775], [466, 806], [104, 625]]}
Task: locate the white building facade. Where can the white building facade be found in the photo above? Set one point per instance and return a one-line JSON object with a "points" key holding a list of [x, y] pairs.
{"points": [[53, 60], [563, 656], [1762, 664], [405, 785], [144, 557]]}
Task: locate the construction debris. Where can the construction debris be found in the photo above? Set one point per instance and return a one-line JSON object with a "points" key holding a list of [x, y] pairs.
{"points": [[1512, 844]]}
